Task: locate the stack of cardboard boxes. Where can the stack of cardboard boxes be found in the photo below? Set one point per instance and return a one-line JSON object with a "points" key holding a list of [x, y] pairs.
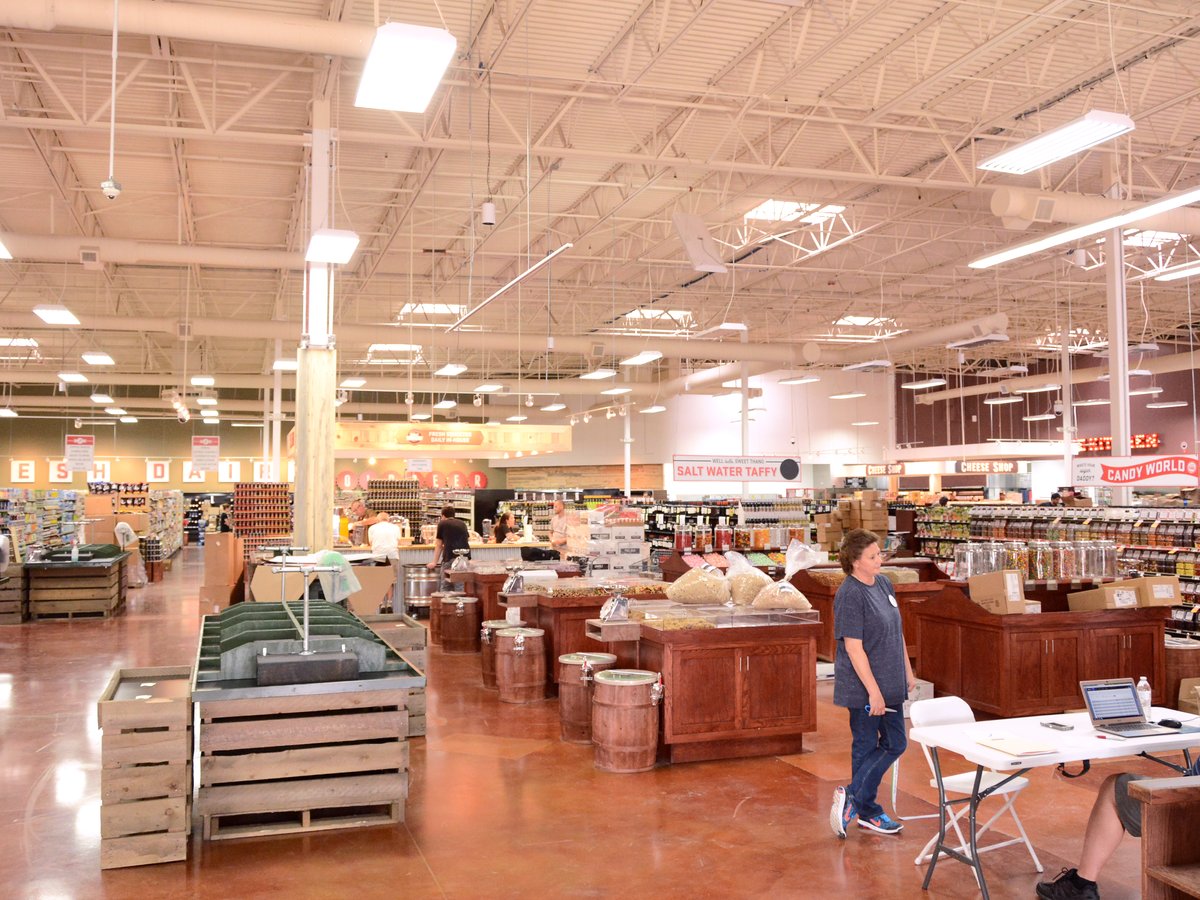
{"points": [[614, 546], [866, 509], [1003, 593], [224, 572]]}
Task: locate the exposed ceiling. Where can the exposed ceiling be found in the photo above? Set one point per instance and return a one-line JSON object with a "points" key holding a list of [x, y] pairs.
{"points": [[589, 123]]}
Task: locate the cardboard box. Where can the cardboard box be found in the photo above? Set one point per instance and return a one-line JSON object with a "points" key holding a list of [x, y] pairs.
{"points": [[1033, 606], [1189, 696], [223, 559], [214, 598], [1108, 596], [923, 691], [1156, 590], [1001, 593]]}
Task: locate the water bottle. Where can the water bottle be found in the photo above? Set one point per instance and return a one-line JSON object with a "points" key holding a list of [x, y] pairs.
{"points": [[1143, 692]]}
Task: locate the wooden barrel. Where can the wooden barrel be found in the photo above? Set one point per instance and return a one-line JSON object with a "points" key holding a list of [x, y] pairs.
{"points": [[625, 720], [521, 664], [487, 649], [435, 614], [575, 693], [460, 624]]}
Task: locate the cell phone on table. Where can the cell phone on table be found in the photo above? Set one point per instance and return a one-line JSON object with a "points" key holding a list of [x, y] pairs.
{"points": [[1058, 726]]}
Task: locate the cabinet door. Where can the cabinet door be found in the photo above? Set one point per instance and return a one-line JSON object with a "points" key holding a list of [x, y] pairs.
{"points": [[701, 694], [1063, 670], [1105, 648], [1029, 655], [1142, 646], [777, 690]]}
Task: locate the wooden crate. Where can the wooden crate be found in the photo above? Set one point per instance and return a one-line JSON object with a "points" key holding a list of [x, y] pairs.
{"points": [[14, 602], [67, 592], [302, 763], [145, 776]]}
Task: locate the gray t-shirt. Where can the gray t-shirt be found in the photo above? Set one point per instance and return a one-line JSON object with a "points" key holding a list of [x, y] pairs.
{"points": [[870, 614]]}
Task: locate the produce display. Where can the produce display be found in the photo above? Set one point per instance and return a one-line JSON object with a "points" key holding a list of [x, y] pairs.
{"points": [[699, 587]]}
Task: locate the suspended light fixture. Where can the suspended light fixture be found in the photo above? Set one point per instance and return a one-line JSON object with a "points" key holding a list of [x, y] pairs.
{"points": [[922, 385], [404, 67], [331, 245], [1093, 128]]}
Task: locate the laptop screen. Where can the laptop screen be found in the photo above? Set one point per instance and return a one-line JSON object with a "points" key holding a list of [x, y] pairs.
{"points": [[1112, 700]]}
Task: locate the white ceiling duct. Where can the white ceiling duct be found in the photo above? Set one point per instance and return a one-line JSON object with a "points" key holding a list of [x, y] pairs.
{"points": [[1021, 207], [62, 248]]}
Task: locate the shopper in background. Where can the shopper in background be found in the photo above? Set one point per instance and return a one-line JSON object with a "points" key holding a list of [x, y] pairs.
{"points": [[1113, 814], [364, 515], [384, 538], [452, 534], [505, 530], [872, 678], [943, 501], [558, 528], [223, 520]]}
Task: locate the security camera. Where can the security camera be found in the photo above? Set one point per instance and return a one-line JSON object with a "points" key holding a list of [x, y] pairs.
{"points": [[79, 423], [183, 415], [111, 188], [477, 400], [1058, 407], [408, 398]]}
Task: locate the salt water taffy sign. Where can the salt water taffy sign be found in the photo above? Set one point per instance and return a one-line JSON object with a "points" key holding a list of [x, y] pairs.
{"points": [[735, 468]]}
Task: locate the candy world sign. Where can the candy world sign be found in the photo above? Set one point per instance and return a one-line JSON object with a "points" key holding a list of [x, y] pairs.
{"points": [[1140, 471]]}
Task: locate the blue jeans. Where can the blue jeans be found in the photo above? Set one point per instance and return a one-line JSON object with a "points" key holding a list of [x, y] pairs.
{"points": [[878, 742]]}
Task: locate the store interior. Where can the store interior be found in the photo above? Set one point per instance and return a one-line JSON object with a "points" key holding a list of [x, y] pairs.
{"points": [[282, 281]]}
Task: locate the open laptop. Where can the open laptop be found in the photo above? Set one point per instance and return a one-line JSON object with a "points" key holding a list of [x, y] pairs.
{"points": [[1113, 705]]}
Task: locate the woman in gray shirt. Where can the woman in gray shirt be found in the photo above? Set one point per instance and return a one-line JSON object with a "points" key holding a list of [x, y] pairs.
{"points": [[872, 678]]}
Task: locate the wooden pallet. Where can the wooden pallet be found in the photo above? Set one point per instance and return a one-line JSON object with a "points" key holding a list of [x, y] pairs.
{"points": [[72, 609], [13, 611], [302, 763], [145, 776]]}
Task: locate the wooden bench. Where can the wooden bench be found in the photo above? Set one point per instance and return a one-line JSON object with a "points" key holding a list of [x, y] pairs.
{"points": [[1170, 824]]}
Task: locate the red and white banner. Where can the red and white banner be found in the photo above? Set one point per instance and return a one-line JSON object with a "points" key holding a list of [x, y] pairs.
{"points": [[81, 452], [206, 452], [735, 468], [1121, 471]]}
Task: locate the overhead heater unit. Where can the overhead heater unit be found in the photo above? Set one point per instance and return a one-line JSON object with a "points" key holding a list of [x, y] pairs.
{"points": [[870, 365], [978, 341]]}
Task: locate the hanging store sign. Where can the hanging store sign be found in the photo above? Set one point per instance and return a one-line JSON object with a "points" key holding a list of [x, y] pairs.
{"points": [[885, 469], [21, 471], [192, 475], [424, 440], [1140, 471], [229, 471], [60, 472], [206, 452], [418, 465], [1150, 441], [735, 468], [986, 466], [81, 452], [158, 471]]}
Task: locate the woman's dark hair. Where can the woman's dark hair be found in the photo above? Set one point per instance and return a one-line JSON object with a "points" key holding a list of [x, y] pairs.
{"points": [[853, 545]]}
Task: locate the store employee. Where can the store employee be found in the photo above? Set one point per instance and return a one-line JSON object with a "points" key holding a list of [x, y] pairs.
{"points": [[385, 542], [360, 512], [452, 534], [558, 528]]}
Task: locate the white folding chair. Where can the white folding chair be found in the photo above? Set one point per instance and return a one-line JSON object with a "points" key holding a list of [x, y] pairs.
{"points": [[954, 711]]}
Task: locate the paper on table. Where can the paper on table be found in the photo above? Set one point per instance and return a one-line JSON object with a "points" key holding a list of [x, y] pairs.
{"points": [[1016, 746]]}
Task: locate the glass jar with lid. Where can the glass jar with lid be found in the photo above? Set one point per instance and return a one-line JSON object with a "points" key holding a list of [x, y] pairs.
{"points": [[741, 537], [1016, 556], [722, 538], [1064, 560], [1107, 557], [1084, 559], [683, 539], [1041, 561], [760, 537]]}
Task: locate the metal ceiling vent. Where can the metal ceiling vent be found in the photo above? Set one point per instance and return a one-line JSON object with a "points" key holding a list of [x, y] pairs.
{"points": [[89, 258], [597, 349], [1043, 210], [183, 331]]}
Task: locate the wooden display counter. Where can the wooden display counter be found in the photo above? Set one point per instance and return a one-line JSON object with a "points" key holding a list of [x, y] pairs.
{"points": [[1182, 662], [1027, 665], [673, 566], [1170, 853], [94, 587], [486, 586], [733, 692]]}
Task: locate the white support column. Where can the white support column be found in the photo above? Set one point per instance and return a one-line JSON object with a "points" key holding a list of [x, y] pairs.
{"points": [[316, 376], [1118, 345], [276, 415], [1068, 411], [628, 442], [745, 411]]}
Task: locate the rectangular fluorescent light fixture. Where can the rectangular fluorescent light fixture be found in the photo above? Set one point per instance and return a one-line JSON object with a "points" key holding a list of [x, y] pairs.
{"points": [[1144, 347], [1003, 401], [922, 385], [640, 359], [101, 398], [598, 375], [450, 370], [7, 412], [864, 321], [554, 407], [404, 67], [488, 388], [1089, 130], [445, 404], [96, 358], [5, 253], [1071, 235], [18, 342], [517, 418], [791, 211], [650, 410], [1179, 272], [1038, 389], [1098, 401], [650, 314], [390, 361], [981, 340], [393, 348], [203, 381], [1167, 404], [285, 365], [616, 392], [420, 417], [246, 424], [863, 424], [72, 378], [55, 314], [1146, 372], [129, 420], [1146, 392], [537, 265], [851, 395], [206, 401], [432, 309], [114, 410], [800, 379], [868, 365], [1040, 417], [331, 245], [353, 382]]}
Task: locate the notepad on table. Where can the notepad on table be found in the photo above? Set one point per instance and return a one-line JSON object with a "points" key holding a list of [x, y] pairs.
{"points": [[1016, 746]]}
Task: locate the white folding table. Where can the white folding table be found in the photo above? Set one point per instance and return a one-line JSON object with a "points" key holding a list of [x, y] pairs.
{"points": [[1082, 743]]}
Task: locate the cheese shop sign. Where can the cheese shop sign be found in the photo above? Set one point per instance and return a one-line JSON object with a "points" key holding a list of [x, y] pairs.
{"points": [[735, 468]]}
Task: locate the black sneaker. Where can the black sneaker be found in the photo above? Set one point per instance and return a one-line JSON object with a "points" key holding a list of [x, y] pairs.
{"points": [[1064, 888]]}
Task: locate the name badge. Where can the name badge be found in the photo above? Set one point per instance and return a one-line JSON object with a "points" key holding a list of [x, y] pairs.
{"points": [[892, 600]]}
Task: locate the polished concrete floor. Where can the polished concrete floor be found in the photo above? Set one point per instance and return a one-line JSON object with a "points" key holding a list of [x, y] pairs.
{"points": [[498, 806]]}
